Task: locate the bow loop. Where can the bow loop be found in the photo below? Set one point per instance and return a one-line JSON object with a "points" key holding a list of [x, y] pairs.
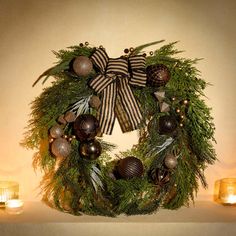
{"points": [[112, 82], [138, 70]]}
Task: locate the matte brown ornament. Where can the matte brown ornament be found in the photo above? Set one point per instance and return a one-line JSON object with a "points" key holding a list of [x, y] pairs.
{"points": [[167, 124], [60, 147], [157, 75], [70, 116], [170, 161], [82, 66], [130, 167], [86, 127], [90, 150], [61, 120], [95, 102], [56, 131]]}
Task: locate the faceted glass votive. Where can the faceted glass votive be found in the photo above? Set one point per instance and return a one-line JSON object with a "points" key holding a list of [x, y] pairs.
{"points": [[227, 191], [14, 206], [8, 190]]}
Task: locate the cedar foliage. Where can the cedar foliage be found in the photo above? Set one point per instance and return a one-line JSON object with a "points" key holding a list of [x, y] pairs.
{"points": [[71, 188]]}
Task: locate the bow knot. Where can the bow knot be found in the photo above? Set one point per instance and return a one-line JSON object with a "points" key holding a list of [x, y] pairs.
{"points": [[113, 82]]}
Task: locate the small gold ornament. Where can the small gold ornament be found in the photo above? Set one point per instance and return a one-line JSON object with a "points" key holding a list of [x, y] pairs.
{"points": [[185, 102]]}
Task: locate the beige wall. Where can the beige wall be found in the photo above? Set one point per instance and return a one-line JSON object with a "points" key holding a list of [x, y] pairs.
{"points": [[30, 29]]}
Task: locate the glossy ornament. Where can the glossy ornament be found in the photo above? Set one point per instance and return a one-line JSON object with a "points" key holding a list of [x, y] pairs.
{"points": [[56, 131], [90, 150], [170, 161], [130, 167], [157, 75], [86, 127], [82, 66], [60, 147], [167, 124]]}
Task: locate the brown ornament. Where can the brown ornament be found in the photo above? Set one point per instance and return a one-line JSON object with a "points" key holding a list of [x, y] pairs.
{"points": [[56, 131], [167, 124], [61, 120], [157, 75], [130, 167], [60, 147], [95, 102], [90, 150], [126, 50], [170, 161], [70, 116], [161, 177], [82, 66], [86, 127]]}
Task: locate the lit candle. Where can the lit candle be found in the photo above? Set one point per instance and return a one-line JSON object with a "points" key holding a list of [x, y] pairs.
{"points": [[227, 191], [14, 206], [8, 190]]}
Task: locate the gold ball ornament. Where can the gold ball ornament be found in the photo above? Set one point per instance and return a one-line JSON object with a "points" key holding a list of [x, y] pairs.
{"points": [[82, 66], [56, 131], [60, 147], [185, 102], [170, 161]]}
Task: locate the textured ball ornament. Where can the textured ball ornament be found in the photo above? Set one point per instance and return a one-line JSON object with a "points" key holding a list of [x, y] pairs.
{"points": [[90, 150], [86, 127], [56, 131], [60, 147], [130, 167], [167, 124], [170, 161], [82, 66], [157, 75]]}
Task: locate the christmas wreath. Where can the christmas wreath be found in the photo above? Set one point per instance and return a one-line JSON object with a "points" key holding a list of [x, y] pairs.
{"points": [[158, 94]]}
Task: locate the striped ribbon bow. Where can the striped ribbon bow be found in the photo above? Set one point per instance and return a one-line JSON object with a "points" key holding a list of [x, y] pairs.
{"points": [[113, 82]]}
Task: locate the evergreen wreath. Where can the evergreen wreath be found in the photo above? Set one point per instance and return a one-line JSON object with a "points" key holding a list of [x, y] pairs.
{"points": [[158, 94]]}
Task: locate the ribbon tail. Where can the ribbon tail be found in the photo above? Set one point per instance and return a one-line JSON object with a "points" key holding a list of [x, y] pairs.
{"points": [[129, 105], [122, 116], [107, 110]]}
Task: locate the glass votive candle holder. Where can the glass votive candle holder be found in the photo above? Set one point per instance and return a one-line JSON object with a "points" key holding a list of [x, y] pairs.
{"points": [[227, 191], [8, 190], [14, 206]]}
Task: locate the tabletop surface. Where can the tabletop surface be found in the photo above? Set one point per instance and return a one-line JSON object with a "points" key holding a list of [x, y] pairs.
{"points": [[205, 212]]}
